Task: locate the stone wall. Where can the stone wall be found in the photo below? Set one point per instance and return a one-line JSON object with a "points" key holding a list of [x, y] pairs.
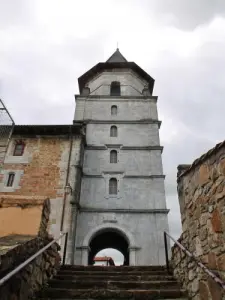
{"points": [[30, 279], [201, 191], [15, 249]]}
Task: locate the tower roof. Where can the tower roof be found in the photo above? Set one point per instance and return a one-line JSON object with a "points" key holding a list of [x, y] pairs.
{"points": [[116, 61], [116, 57]]}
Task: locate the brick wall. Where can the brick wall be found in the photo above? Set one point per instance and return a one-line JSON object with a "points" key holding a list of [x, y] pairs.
{"points": [[201, 191]]}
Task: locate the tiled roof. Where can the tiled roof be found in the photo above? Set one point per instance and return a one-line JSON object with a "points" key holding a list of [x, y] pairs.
{"points": [[102, 258]]}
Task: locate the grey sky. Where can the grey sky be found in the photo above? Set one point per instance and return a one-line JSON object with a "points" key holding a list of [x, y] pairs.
{"points": [[46, 45]]}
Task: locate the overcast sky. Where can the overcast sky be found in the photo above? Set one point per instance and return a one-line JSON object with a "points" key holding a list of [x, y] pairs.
{"points": [[45, 45]]}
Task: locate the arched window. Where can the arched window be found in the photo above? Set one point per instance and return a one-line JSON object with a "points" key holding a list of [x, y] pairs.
{"points": [[113, 131], [113, 157], [114, 110], [113, 186], [10, 179], [115, 89]]}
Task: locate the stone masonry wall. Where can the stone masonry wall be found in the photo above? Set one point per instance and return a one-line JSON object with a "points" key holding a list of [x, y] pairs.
{"points": [[201, 191], [24, 284]]}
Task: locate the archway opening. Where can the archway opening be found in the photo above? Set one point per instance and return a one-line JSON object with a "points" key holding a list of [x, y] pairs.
{"points": [[109, 256], [108, 239]]}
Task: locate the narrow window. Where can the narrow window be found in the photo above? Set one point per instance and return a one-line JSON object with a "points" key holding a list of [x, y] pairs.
{"points": [[115, 88], [113, 157], [113, 186], [10, 180], [113, 131], [19, 149], [114, 110]]}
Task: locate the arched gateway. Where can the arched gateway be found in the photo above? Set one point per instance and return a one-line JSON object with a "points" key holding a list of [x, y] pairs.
{"points": [[122, 198], [105, 236]]}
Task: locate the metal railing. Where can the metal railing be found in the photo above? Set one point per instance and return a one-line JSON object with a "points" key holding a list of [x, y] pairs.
{"points": [[26, 262], [193, 257]]}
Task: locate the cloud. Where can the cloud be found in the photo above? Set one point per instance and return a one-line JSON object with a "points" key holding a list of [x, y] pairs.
{"points": [[187, 14], [47, 45]]}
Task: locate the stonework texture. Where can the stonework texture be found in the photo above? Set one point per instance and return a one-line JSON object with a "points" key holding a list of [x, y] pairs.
{"points": [[15, 249], [24, 284], [201, 191]]}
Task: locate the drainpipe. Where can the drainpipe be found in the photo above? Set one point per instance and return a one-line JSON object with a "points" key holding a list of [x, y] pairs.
{"points": [[66, 183]]}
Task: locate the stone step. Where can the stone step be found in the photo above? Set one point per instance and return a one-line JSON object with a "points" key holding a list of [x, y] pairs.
{"points": [[113, 285], [114, 268], [116, 276], [111, 273], [57, 293]]}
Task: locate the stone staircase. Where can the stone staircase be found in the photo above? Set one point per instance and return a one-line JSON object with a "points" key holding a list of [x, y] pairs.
{"points": [[125, 282]]}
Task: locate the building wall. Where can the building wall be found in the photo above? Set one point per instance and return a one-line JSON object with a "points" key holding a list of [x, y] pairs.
{"points": [[146, 230], [133, 193], [138, 162], [201, 191], [131, 84], [139, 206], [128, 134], [41, 172], [129, 109]]}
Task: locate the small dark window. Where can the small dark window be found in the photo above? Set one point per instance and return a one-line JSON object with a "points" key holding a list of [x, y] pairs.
{"points": [[113, 157], [113, 186], [19, 149], [10, 180], [115, 89], [114, 110], [113, 131]]}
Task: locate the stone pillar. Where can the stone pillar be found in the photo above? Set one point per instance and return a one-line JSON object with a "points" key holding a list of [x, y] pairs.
{"points": [[85, 253], [132, 256], [74, 212]]}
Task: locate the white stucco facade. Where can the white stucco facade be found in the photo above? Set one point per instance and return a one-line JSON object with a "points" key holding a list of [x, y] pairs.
{"points": [[138, 211]]}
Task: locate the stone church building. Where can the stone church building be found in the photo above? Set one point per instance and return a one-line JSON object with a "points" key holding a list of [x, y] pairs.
{"points": [[103, 173]]}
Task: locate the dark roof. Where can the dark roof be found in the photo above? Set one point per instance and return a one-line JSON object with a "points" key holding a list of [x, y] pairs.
{"points": [[117, 57], [201, 159], [116, 61], [47, 129]]}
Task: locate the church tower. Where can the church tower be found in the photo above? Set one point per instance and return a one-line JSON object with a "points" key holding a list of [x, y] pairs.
{"points": [[122, 199]]}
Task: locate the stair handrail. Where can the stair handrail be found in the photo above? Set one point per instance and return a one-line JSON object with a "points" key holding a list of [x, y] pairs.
{"points": [[39, 252], [193, 257]]}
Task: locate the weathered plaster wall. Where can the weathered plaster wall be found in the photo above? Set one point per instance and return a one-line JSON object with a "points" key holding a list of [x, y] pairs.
{"points": [[201, 190], [20, 215]]}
